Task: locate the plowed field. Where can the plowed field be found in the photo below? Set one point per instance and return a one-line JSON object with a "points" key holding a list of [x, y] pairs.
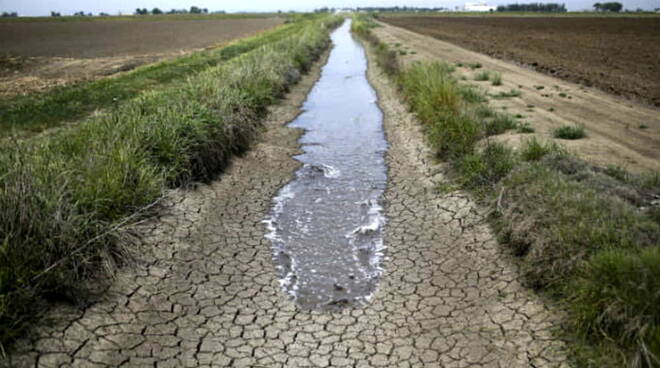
{"points": [[617, 55], [39, 55]]}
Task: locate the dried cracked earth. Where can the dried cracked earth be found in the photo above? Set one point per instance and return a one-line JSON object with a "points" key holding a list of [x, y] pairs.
{"points": [[204, 292]]}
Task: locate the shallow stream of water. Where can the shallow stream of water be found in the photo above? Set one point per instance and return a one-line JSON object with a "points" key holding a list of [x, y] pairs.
{"points": [[326, 225]]}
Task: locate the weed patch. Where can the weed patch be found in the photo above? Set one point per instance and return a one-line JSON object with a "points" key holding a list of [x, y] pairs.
{"points": [[511, 93], [533, 150], [496, 79], [500, 124], [525, 128], [569, 132], [482, 76]]}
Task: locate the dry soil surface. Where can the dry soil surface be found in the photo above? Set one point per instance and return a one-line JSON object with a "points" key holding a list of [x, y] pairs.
{"points": [[205, 292], [619, 132]]}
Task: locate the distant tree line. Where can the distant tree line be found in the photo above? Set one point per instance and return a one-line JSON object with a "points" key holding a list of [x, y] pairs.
{"points": [[608, 7], [399, 9], [533, 7], [8, 14], [156, 11]]}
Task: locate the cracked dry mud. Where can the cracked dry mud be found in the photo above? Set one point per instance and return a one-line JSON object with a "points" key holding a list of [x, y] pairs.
{"points": [[206, 294]]}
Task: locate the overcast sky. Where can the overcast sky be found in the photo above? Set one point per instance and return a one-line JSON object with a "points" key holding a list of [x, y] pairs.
{"points": [[43, 7]]}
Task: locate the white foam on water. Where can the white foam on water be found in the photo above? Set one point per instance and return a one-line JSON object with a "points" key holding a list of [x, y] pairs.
{"points": [[330, 172]]}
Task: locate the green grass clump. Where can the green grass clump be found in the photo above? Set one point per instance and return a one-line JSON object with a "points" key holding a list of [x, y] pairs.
{"points": [[471, 94], [484, 111], [616, 295], [556, 224], [385, 57], [533, 150], [474, 65], [482, 170], [509, 94], [482, 76], [500, 124], [525, 128], [569, 132], [496, 79], [437, 99], [64, 195]]}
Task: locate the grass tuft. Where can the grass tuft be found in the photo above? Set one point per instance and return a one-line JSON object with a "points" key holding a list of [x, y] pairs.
{"points": [[496, 79], [533, 150], [569, 132], [482, 170], [500, 124], [525, 128], [509, 94], [482, 76]]}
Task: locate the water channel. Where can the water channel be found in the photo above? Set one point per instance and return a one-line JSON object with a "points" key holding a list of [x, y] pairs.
{"points": [[326, 224]]}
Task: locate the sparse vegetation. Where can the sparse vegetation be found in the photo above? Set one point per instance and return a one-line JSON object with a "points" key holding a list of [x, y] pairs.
{"points": [[569, 132], [533, 150], [496, 79], [525, 128], [511, 93], [82, 182], [482, 76], [500, 124], [474, 65]]}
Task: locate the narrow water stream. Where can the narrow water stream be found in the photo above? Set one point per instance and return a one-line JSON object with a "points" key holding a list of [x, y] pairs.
{"points": [[326, 224]]}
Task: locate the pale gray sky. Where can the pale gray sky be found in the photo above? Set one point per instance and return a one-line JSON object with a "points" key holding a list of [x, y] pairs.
{"points": [[43, 7]]}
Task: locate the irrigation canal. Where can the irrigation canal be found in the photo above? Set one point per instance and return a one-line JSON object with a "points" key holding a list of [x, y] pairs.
{"points": [[326, 225]]}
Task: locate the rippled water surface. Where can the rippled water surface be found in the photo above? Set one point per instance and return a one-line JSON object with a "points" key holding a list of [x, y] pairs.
{"points": [[326, 225]]}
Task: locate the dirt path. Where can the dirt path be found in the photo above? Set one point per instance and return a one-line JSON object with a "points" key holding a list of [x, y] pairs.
{"points": [[206, 293], [612, 124]]}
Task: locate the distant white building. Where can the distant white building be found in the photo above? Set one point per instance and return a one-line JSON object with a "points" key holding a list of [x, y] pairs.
{"points": [[480, 6]]}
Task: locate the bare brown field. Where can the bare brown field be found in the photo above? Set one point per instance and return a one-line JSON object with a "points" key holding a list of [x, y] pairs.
{"points": [[37, 56], [616, 55]]}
